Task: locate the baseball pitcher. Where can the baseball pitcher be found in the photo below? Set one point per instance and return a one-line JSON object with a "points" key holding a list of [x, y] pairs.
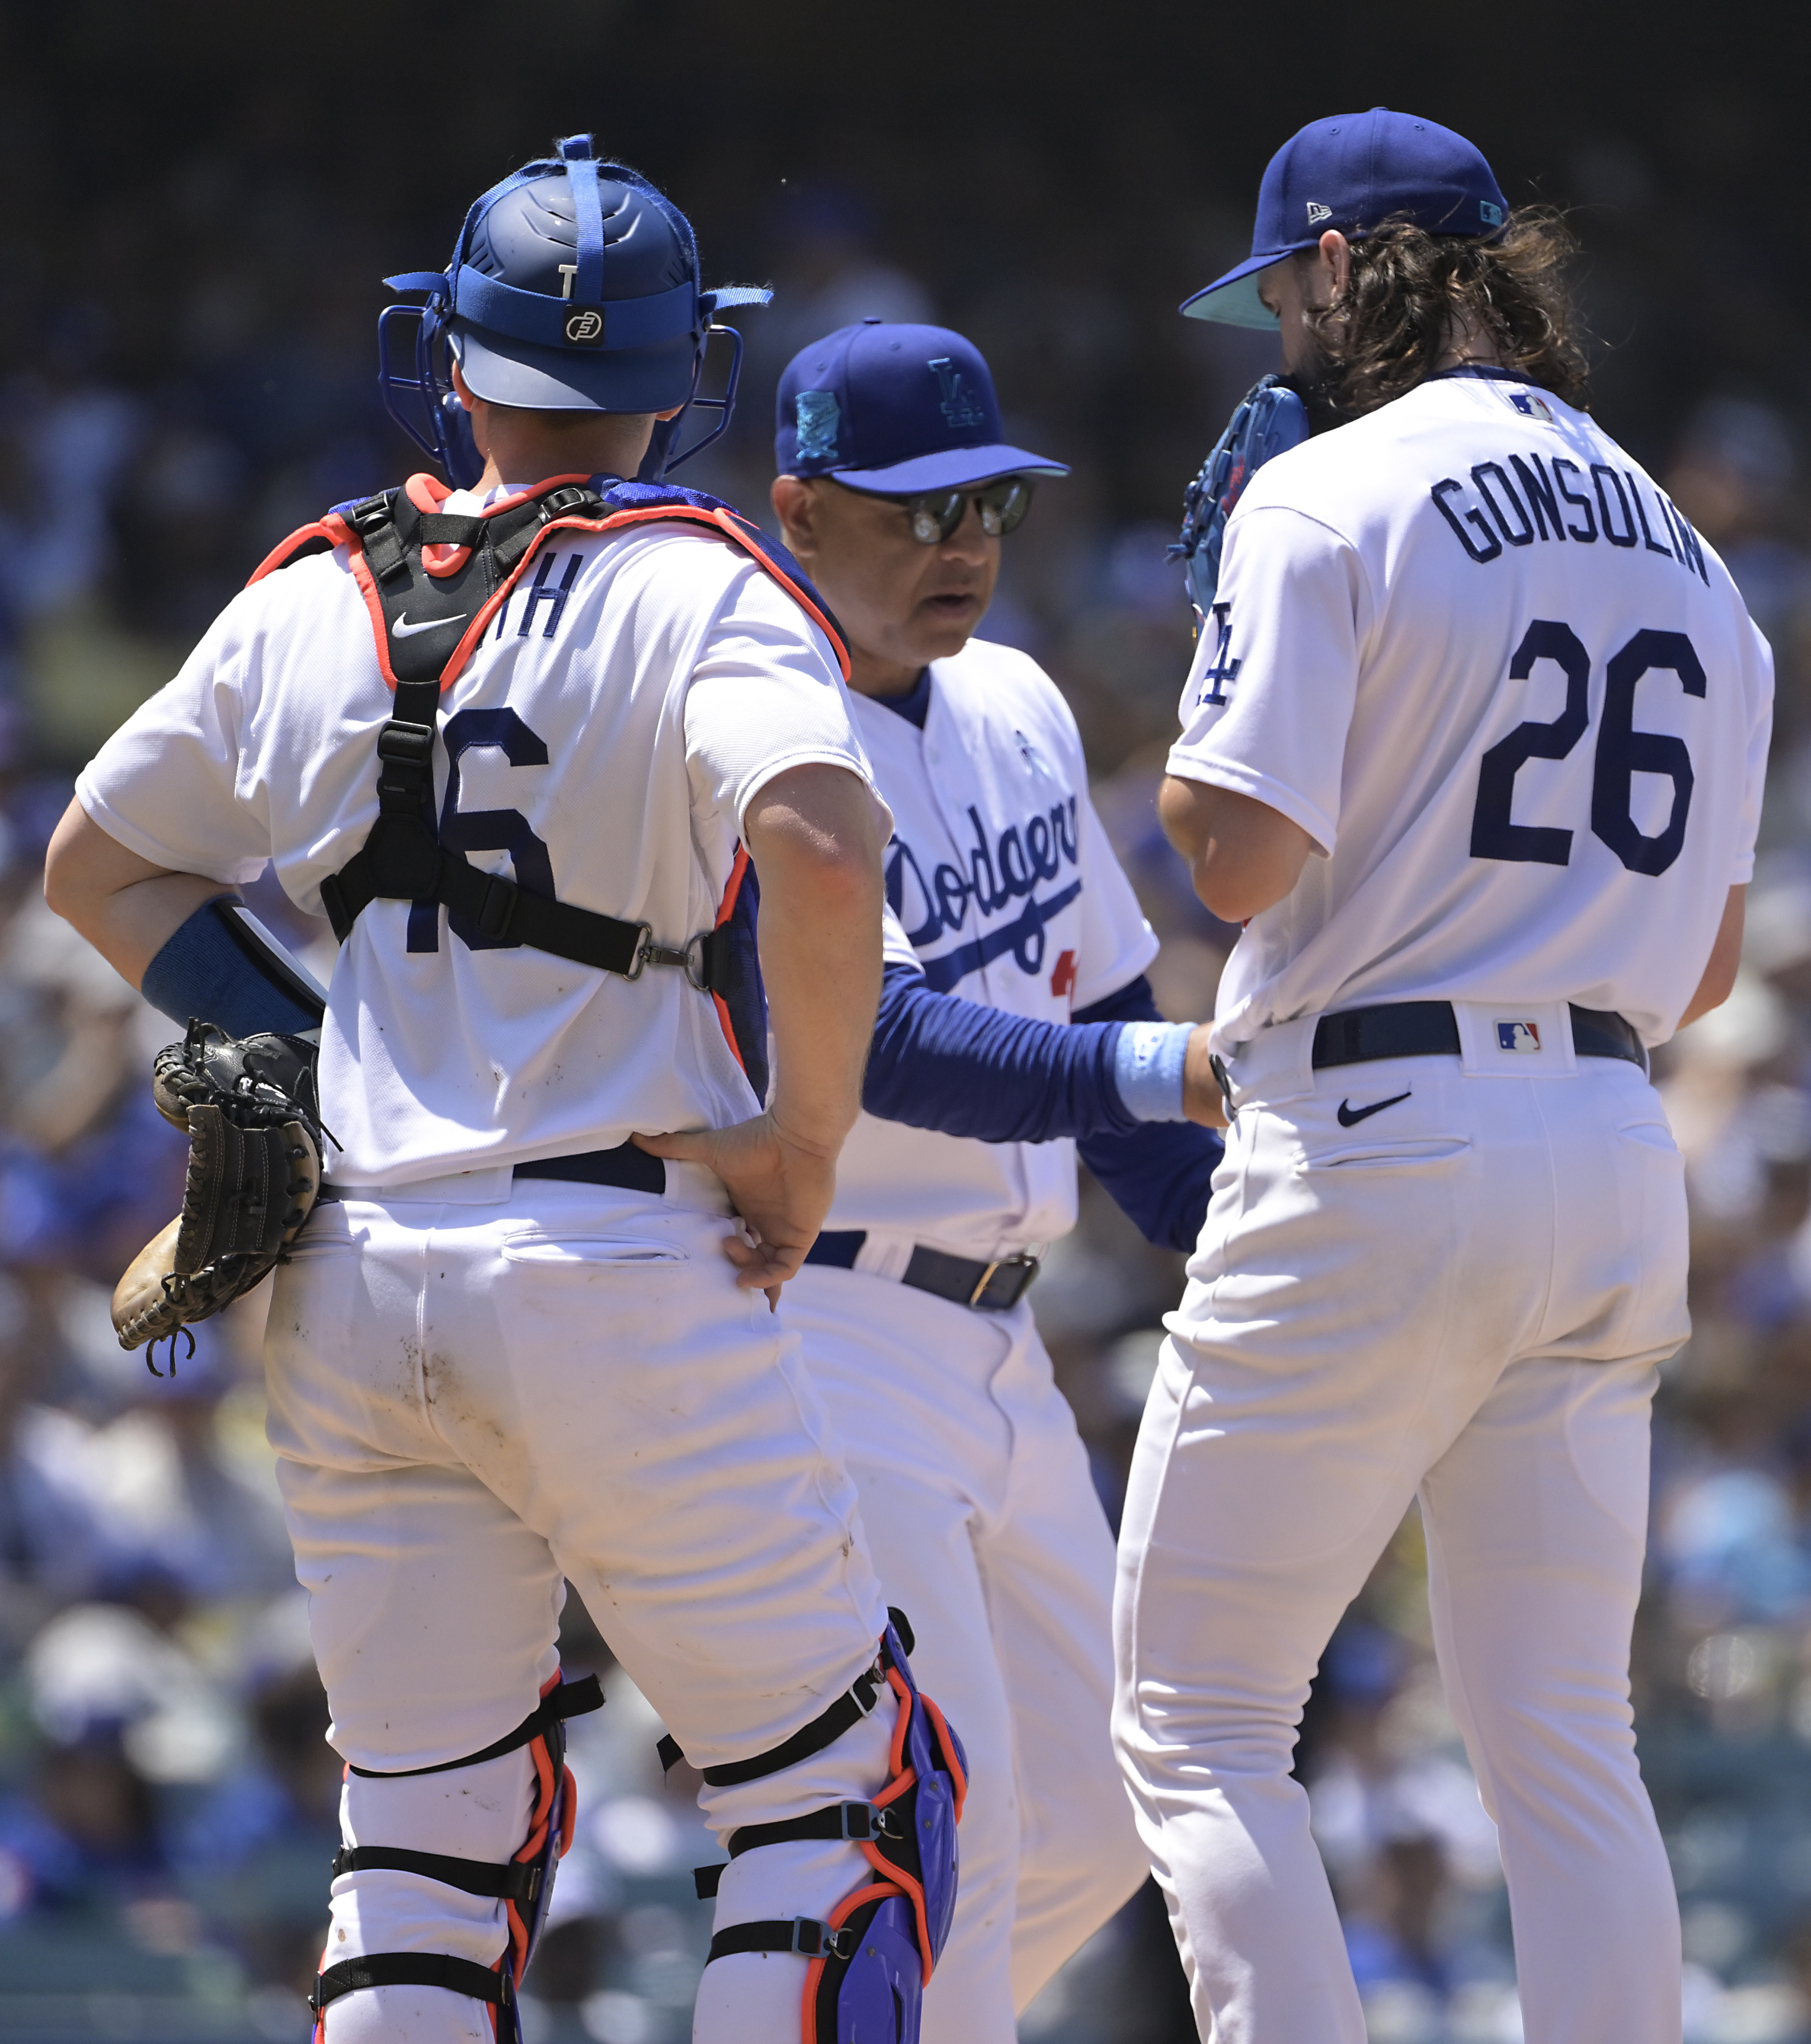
{"points": [[1473, 744]]}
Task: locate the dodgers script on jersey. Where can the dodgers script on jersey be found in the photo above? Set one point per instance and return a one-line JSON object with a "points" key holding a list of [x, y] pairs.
{"points": [[442, 1051], [1479, 565], [1001, 886]]}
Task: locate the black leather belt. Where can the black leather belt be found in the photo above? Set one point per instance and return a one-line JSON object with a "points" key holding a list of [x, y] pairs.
{"points": [[633, 1170], [1430, 1029], [990, 1288]]}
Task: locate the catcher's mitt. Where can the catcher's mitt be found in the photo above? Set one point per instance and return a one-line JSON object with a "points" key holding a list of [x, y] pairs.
{"points": [[251, 1116], [1270, 420]]}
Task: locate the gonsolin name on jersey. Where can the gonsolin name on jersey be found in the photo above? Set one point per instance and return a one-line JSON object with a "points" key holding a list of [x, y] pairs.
{"points": [[1523, 498]]}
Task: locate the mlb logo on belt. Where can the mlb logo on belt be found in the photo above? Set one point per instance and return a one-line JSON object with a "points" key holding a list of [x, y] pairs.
{"points": [[1521, 1037]]}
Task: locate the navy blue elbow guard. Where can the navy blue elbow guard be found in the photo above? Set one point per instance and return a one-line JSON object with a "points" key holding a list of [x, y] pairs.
{"points": [[225, 967]]}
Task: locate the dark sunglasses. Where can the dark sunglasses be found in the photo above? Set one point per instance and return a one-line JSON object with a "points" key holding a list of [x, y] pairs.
{"points": [[935, 514]]}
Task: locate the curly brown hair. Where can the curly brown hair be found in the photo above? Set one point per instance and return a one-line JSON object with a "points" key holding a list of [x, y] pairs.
{"points": [[1410, 290]]}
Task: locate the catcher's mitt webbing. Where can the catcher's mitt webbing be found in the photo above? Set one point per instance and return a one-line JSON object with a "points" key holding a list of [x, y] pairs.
{"points": [[249, 1109]]}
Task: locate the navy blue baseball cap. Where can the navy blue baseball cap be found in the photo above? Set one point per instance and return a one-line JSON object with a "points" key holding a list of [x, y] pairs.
{"points": [[895, 408], [1353, 171]]}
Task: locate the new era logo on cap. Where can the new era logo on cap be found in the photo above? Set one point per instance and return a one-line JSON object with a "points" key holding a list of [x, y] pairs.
{"points": [[1317, 212], [1521, 1037]]}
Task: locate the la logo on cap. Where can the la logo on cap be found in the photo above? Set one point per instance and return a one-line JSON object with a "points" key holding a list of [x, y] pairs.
{"points": [[959, 405]]}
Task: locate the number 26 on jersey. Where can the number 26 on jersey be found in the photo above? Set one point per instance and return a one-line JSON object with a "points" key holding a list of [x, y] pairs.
{"points": [[1622, 752]]}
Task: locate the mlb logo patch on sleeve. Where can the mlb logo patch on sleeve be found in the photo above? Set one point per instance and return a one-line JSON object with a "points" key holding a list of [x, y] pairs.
{"points": [[1522, 1037]]}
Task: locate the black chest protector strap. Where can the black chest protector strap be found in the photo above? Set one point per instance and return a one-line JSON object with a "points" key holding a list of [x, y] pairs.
{"points": [[403, 858]]}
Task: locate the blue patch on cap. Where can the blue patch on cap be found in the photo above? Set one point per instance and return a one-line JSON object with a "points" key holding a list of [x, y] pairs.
{"points": [[961, 406], [819, 415], [1492, 216]]}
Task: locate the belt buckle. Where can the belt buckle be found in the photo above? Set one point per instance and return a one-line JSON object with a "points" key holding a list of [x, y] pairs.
{"points": [[1019, 1259]]}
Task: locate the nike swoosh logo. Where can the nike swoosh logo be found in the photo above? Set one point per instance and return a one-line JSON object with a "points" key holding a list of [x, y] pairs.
{"points": [[1351, 1116], [403, 629]]}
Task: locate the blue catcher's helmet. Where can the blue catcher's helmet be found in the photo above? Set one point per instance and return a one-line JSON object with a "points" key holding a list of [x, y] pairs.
{"points": [[573, 287]]}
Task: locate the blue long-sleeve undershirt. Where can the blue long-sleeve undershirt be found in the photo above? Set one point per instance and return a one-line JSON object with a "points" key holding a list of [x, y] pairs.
{"points": [[939, 1062]]}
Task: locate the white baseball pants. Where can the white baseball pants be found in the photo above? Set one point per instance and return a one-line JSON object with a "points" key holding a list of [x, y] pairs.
{"points": [[470, 1401], [1464, 1298], [985, 1527]]}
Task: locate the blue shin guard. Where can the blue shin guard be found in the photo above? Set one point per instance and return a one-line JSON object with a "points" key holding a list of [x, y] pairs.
{"points": [[869, 1961]]}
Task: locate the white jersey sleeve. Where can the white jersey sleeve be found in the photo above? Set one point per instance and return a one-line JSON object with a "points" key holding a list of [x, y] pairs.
{"points": [[757, 705], [166, 784], [1279, 735]]}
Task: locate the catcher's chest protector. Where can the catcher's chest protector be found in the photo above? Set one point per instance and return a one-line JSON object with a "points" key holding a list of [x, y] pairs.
{"points": [[424, 572]]}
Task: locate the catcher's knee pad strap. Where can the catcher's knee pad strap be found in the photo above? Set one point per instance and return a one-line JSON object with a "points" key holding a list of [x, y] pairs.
{"points": [[826, 1729], [507, 1881], [412, 1969], [852, 1822], [868, 1964], [561, 1699]]}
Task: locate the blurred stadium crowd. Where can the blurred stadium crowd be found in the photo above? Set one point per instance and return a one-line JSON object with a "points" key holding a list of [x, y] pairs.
{"points": [[167, 1801]]}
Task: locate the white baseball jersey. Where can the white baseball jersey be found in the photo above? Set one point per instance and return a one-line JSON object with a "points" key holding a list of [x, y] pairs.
{"points": [[1473, 650], [1001, 884], [613, 726]]}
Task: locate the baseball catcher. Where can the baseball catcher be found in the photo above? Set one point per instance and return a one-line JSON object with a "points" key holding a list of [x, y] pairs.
{"points": [[535, 738]]}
